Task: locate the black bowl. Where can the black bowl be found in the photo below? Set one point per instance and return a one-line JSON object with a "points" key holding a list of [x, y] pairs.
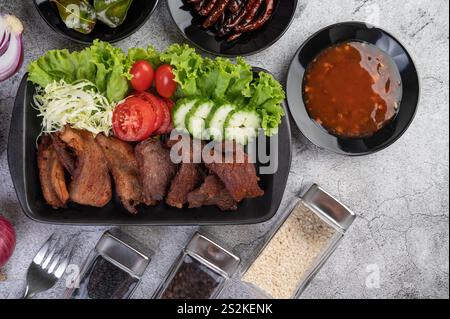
{"points": [[22, 160], [343, 32], [189, 24], [138, 14]]}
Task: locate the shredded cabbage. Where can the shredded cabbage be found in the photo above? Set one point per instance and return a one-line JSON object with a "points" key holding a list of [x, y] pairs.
{"points": [[78, 104]]}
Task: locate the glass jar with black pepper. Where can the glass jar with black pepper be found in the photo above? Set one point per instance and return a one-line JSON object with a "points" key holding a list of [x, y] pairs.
{"points": [[200, 272], [113, 269]]}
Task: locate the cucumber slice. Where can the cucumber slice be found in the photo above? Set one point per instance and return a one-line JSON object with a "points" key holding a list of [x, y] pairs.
{"points": [[242, 126], [196, 119], [180, 111], [216, 120]]}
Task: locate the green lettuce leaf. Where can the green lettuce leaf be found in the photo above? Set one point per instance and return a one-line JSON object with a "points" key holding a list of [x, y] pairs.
{"points": [[112, 75], [207, 78], [102, 64], [215, 79], [267, 96], [86, 69], [149, 54], [117, 87], [186, 64], [38, 76], [54, 65], [240, 82]]}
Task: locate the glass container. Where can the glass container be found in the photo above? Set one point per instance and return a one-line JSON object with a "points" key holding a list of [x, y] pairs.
{"points": [[200, 271], [300, 244], [113, 269]]}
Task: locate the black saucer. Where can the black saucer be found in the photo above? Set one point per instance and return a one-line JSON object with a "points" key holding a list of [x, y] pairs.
{"points": [[189, 24], [138, 14], [340, 33]]}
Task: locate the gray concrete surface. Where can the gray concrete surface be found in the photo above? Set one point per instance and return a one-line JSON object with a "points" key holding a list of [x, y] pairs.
{"points": [[401, 194]]}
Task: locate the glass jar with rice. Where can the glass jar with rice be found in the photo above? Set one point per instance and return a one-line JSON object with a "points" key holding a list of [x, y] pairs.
{"points": [[298, 247]]}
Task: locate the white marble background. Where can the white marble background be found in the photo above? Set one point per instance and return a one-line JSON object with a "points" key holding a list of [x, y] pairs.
{"points": [[401, 194]]}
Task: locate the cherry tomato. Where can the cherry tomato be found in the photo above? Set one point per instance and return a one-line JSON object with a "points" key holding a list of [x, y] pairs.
{"points": [[142, 75], [165, 81], [133, 120]]}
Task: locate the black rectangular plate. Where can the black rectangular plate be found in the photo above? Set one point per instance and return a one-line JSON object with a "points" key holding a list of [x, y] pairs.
{"points": [[22, 159]]}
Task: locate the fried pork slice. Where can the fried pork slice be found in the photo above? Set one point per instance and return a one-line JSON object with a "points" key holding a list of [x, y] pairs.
{"points": [[185, 148], [237, 173], [212, 193], [51, 174], [91, 183], [124, 168], [190, 174], [188, 178], [156, 170], [65, 157]]}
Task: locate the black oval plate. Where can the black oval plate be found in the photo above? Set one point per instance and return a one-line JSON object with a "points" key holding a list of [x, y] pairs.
{"points": [[189, 24], [138, 14], [22, 160], [340, 33]]}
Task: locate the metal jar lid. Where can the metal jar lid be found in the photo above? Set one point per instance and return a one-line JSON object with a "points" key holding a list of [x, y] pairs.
{"points": [[124, 251], [212, 255], [329, 207]]}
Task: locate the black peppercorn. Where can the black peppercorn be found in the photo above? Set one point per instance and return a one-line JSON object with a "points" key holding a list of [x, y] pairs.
{"points": [[104, 280], [193, 280], [200, 272]]}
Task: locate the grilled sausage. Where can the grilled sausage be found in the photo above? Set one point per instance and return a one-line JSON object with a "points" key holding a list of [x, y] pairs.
{"points": [[236, 20], [252, 12], [255, 25], [248, 18], [208, 7], [235, 6], [217, 12]]}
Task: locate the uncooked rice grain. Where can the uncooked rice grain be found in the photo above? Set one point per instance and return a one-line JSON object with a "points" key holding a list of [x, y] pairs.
{"points": [[290, 254]]}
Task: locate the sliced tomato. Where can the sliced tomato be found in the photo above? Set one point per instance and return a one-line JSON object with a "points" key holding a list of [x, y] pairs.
{"points": [[167, 125], [169, 103], [133, 120], [159, 115], [158, 107]]}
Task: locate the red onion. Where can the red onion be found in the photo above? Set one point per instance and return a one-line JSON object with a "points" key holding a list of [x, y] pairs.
{"points": [[7, 241], [11, 49]]}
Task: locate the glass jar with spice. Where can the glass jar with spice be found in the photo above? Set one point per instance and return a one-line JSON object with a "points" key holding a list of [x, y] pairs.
{"points": [[200, 272], [299, 245], [113, 269]]}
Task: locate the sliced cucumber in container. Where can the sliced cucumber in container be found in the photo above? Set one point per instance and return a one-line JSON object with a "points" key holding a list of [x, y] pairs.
{"points": [[196, 119], [181, 110], [216, 120], [242, 126]]}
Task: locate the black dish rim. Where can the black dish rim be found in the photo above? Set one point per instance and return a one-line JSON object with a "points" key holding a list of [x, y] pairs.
{"points": [[296, 119], [119, 38], [214, 53]]}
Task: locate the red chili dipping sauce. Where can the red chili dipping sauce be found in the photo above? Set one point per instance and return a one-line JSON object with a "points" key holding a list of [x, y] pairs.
{"points": [[352, 89]]}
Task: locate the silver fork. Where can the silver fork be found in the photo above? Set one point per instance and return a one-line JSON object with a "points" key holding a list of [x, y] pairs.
{"points": [[47, 267]]}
